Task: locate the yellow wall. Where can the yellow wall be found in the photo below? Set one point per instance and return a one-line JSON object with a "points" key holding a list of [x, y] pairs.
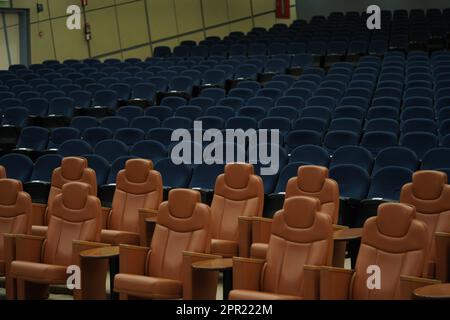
{"points": [[132, 28]]}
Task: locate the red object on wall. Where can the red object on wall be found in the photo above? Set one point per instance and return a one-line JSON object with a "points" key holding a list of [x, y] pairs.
{"points": [[84, 3], [283, 9]]}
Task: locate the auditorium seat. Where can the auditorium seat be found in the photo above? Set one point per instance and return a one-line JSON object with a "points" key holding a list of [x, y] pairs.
{"points": [[296, 229]]}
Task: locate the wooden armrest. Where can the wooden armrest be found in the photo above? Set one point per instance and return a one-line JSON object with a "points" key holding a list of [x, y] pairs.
{"points": [[38, 214], [28, 247], [311, 282], [245, 235], [335, 283], [337, 227], [247, 273], [133, 259], [106, 213], [40, 231], [9, 251], [442, 256], [347, 234], [198, 285], [261, 229], [409, 283], [147, 223]]}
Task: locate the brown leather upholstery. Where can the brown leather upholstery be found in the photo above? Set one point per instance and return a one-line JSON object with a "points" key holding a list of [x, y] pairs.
{"points": [[430, 194], [72, 169], [238, 192], [75, 215], [396, 242], [183, 224], [15, 213], [2, 172], [138, 186], [313, 181], [301, 235]]}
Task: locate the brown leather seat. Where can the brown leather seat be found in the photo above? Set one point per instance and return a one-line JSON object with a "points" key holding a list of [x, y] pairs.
{"points": [[430, 194], [72, 169], [2, 172], [183, 224], [395, 242], [301, 235], [138, 188], [313, 181], [15, 213], [74, 215], [237, 193]]}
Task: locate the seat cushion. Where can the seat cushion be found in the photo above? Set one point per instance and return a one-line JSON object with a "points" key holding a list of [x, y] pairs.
{"points": [[148, 287], [2, 268], [259, 250], [225, 248], [257, 295], [39, 272], [116, 237]]}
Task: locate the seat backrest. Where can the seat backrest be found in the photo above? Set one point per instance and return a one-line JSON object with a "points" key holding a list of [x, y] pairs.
{"points": [[15, 210], [301, 235], [72, 169], [313, 181], [183, 224], [138, 186], [429, 193], [394, 240], [238, 192], [74, 215]]}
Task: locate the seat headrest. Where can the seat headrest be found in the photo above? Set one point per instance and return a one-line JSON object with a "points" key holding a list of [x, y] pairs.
{"points": [[136, 170], [300, 212], [238, 174], [394, 219], [311, 178], [75, 195], [9, 190], [182, 202], [72, 167], [428, 185], [2, 172]]}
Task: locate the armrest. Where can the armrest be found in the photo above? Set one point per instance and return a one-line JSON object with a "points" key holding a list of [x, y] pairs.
{"points": [[29, 248], [347, 234], [311, 282], [442, 256], [147, 223], [38, 214], [245, 235], [247, 273], [337, 227], [93, 272], [106, 213], [40, 231], [133, 259], [408, 284], [335, 283], [9, 256], [261, 229], [198, 285]]}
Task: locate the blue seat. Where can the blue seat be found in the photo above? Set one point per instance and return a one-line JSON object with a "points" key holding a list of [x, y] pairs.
{"points": [[253, 112], [83, 122], [211, 122], [159, 83], [382, 112], [264, 102], [382, 124], [143, 91], [160, 112], [162, 135], [288, 172], [33, 138], [151, 150], [96, 134], [202, 102], [444, 128], [111, 149], [361, 102], [276, 66], [303, 93], [204, 176], [130, 112], [273, 123], [310, 155], [181, 84], [313, 124], [336, 139], [16, 117], [244, 123], [214, 93], [349, 112], [173, 102], [417, 113], [348, 124], [354, 155], [74, 148], [302, 60], [233, 102], [61, 135], [61, 107], [246, 71], [129, 136], [353, 181], [100, 166], [269, 93], [190, 112], [419, 125], [81, 98], [376, 141], [114, 123], [436, 159], [214, 77], [291, 101], [177, 123], [316, 112], [254, 86], [44, 166], [222, 112], [174, 176], [287, 79], [388, 182], [116, 166], [195, 75], [419, 142], [145, 123], [17, 166], [105, 98], [395, 156], [298, 138]]}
